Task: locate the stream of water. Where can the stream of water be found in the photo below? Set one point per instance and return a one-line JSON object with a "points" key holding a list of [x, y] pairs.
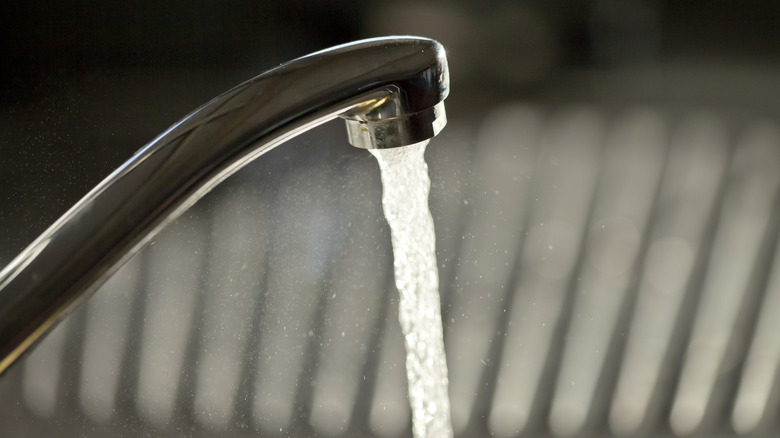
{"points": [[406, 185]]}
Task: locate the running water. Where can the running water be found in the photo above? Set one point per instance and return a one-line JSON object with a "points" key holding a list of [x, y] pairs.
{"points": [[405, 200]]}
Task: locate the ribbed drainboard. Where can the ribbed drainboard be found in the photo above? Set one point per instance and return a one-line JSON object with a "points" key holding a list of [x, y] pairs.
{"points": [[603, 274]]}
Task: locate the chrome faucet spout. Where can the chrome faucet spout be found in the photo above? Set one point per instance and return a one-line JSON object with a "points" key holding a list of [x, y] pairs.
{"points": [[390, 92]]}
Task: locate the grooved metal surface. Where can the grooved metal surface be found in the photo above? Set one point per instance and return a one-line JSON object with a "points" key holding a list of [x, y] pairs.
{"points": [[604, 273]]}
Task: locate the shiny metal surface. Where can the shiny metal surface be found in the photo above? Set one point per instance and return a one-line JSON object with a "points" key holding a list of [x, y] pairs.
{"points": [[395, 85], [395, 131]]}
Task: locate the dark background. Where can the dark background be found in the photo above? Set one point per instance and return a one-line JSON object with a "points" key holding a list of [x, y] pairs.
{"points": [[86, 83]]}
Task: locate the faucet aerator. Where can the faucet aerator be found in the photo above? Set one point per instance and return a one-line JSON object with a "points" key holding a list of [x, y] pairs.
{"points": [[398, 131]]}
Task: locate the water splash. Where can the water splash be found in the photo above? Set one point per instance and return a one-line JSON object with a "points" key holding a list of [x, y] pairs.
{"points": [[405, 200]]}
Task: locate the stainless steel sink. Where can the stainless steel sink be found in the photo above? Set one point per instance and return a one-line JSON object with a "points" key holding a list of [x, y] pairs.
{"points": [[604, 271]]}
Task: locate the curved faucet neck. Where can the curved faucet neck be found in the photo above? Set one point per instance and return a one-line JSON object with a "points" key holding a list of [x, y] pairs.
{"points": [[388, 89]]}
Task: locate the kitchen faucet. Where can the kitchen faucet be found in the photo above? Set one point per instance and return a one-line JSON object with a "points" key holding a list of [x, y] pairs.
{"points": [[390, 92]]}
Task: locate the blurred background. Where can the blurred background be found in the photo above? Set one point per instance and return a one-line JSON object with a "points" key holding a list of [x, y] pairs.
{"points": [[605, 197]]}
